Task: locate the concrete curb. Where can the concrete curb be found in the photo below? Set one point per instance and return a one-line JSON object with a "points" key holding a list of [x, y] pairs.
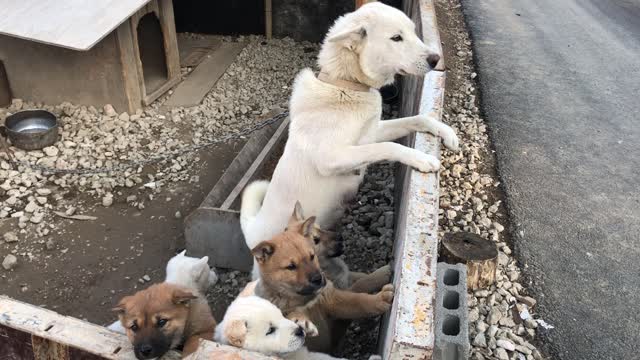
{"points": [[408, 331]]}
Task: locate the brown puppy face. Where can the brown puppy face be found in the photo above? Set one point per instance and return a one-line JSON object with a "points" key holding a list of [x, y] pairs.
{"points": [[288, 261], [155, 318]]}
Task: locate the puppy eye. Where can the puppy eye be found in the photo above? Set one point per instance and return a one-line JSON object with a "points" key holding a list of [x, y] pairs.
{"points": [[313, 256], [316, 240], [291, 266], [134, 327], [162, 322], [271, 330], [397, 38]]}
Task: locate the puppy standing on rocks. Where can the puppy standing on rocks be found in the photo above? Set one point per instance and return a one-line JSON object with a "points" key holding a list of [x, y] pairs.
{"points": [[335, 129]]}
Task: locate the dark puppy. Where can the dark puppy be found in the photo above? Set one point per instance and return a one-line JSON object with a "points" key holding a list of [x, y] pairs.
{"points": [[163, 317]]}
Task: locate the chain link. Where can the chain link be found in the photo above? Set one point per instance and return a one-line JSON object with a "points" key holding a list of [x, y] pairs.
{"points": [[152, 160]]}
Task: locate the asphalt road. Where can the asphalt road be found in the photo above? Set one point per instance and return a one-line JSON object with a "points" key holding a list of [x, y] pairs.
{"points": [[560, 84]]}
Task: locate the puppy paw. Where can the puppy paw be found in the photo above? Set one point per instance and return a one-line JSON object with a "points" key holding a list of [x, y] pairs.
{"points": [[449, 137], [385, 298], [310, 330], [426, 163]]}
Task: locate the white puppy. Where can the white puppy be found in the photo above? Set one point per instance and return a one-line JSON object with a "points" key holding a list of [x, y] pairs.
{"points": [[190, 272], [255, 324], [335, 129]]}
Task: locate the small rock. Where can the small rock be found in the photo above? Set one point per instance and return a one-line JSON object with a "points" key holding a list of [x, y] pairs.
{"points": [[506, 344], [10, 237], [50, 245], [481, 293], [31, 207], [43, 191], [523, 349], [146, 278], [9, 262], [493, 330], [109, 110], [41, 200], [527, 300], [178, 214], [503, 259], [494, 316], [501, 354], [474, 315], [131, 198], [480, 340], [107, 200], [51, 151], [37, 218], [124, 116], [530, 324]]}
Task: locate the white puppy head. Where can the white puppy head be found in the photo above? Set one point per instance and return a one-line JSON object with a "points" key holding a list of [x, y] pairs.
{"points": [[373, 44], [190, 272], [255, 324]]}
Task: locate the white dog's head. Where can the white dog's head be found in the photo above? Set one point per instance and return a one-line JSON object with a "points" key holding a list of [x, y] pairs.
{"points": [[372, 44], [190, 272], [255, 324]]}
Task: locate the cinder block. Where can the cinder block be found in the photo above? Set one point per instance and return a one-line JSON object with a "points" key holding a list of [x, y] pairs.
{"points": [[452, 322]]}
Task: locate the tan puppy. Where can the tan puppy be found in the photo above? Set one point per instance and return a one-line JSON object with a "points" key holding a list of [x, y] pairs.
{"points": [[329, 246], [163, 317], [290, 278]]}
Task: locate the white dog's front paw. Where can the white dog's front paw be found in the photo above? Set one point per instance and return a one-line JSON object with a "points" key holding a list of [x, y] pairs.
{"points": [[449, 137], [427, 163], [308, 327]]}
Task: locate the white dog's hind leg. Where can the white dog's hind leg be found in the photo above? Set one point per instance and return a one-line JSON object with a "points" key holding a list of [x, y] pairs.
{"points": [[389, 130], [340, 161]]}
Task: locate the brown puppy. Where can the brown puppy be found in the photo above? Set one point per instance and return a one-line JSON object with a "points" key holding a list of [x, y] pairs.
{"points": [[163, 317], [291, 278], [329, 246]]}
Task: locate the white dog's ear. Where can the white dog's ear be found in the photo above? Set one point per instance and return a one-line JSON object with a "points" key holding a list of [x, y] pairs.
{"points": [[350, 38], [307, 227], [183, 252], [236, 332]]}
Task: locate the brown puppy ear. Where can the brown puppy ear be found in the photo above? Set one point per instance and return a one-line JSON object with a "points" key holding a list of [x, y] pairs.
{"points": [[236, 332], [297, 215], [121, 308], [182, 297], [263, 251], [307, 227]]}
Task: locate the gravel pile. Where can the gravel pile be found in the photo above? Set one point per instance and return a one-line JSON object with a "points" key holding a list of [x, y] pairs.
{"points": [[258, 81], [502, 325]]}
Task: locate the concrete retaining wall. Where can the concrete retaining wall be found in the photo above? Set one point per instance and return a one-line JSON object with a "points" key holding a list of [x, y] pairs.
{"points": [[408, 331]]}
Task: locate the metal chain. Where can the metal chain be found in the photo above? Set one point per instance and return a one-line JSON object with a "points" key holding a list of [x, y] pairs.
{"points": [[151, 160]]}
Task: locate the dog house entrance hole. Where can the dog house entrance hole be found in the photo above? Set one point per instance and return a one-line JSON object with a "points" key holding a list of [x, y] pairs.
{"points": [[152, 52]]}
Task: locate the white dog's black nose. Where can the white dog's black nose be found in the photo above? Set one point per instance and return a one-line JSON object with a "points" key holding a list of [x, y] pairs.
{"points": [[299, 332], [433, 59]]}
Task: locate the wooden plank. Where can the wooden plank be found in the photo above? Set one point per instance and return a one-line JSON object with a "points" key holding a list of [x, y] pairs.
{"points": [[73, 24], [209, 351], [196, 86], [194, 50], [129, 59], [47, 327], [257, 165]]}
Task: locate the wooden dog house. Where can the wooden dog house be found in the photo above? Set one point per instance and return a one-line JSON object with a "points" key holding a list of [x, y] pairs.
{"points": [[119, 52]]}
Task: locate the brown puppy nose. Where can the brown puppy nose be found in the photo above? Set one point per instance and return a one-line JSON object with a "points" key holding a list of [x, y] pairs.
{"points": [[433, 59], [316, 279]]}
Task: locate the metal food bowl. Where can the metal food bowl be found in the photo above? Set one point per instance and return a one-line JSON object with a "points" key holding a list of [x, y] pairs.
{"points": [[31, 129]]}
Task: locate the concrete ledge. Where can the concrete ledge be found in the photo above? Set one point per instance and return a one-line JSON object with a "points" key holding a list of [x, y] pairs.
{"points": [[408, 331]]}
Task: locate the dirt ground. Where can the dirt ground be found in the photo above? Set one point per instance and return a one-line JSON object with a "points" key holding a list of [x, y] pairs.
{"points": [[93, 263]]}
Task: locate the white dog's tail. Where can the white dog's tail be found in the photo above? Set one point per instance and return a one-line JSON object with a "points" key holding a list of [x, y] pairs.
{"points": [[252, 198]]}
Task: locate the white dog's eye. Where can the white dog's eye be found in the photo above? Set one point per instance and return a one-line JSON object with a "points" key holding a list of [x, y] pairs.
{"points": [[397, 38], [271, 330]]}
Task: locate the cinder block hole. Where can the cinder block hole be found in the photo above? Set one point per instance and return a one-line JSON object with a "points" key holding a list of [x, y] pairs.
{"points": [[451, 300], [451, 325], [451, 277]]}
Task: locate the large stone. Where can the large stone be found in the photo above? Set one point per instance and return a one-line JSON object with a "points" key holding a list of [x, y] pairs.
{"points": [[9, 262]]}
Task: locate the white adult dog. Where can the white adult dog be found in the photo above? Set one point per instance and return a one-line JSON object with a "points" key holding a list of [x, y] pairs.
{"points": [[255, 324], [190, 272], [335, 129]]}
